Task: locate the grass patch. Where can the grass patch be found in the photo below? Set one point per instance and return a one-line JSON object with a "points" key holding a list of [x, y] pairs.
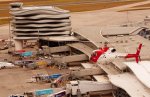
{"points": [[139, 7], [145, 5], [40, 2], [4, 21], [133, 9], [94, 5]]}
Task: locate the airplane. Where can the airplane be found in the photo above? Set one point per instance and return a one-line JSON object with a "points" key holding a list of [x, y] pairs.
{"points": [[106, 55]]}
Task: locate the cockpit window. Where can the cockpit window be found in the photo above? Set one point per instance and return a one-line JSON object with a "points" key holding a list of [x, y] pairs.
{"points": [[94, 54]]}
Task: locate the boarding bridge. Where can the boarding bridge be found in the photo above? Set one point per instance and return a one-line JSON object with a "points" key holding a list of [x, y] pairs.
{"points": [[109, 68], [82, 47], [88, 86], [93, 34], [89, 65], [89, 69], [51, 50], [101, 78], [71, 58], [85, 72]]}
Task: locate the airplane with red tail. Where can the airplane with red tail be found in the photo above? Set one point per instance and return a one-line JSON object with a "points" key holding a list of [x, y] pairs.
{"points": [[107, 54]]}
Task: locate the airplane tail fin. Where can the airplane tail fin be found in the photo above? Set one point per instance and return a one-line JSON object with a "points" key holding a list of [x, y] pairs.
{"points": [[136, 55], [139, 49]]}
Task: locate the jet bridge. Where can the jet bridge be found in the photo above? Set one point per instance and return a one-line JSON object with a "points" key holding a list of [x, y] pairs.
{"points": [[82, 47], [71, 58], [93, 34]]}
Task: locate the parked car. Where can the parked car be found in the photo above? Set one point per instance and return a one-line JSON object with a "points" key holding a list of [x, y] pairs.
{"points": [[6, 65], [22, 63], [17, 95], [32, 65]]}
